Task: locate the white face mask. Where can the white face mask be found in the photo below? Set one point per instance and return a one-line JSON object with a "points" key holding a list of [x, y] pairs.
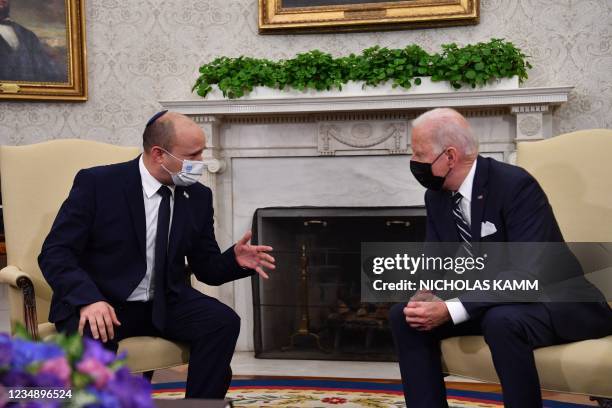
{"points": [[189, 174]]}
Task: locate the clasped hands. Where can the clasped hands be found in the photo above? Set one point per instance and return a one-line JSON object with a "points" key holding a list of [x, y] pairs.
{"points": [[425, 311]]}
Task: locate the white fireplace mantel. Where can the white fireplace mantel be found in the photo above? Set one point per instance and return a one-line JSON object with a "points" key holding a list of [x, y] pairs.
{"points": [[338, 151], [541, 96], [530, 106]]}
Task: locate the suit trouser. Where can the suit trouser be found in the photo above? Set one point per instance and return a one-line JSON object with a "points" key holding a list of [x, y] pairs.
{"points": [[210, 328], [512, 332]]}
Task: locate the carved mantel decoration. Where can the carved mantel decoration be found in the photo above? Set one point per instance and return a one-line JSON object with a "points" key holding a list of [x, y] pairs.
{"points": [[387, 136], [375, 124]]}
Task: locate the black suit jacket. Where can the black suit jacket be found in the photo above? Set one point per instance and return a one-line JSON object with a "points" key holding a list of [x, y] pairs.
{"points": [[96, 248], [511, 199]]}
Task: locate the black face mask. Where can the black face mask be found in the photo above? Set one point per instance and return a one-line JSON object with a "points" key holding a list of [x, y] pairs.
{"points": [[424, 174]]}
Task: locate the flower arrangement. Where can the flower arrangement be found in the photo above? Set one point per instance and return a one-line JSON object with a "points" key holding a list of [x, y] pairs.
{"points": [[67, 371]]}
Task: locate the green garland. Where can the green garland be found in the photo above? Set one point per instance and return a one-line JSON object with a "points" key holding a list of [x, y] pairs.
{"points": [[472, 65]]}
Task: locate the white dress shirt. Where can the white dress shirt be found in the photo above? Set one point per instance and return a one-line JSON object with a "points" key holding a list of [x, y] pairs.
{"points": [[456, 309], [152, 200], [8, 33]]}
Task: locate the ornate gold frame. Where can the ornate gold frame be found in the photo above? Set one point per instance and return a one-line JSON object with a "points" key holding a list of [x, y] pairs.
{"points": [[275, 19], [75, 89]]}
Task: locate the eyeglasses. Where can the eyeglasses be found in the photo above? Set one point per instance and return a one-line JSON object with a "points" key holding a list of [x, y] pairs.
{"points": [[155, 117]]}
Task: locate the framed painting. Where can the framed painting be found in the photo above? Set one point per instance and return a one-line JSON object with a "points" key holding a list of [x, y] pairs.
{"points": [[278, 16], [42, 50]]}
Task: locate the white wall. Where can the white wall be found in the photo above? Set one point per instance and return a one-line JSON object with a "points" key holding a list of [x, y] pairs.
{"points": [[143, 51]]}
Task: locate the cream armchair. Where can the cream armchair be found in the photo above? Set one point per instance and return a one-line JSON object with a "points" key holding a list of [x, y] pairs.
{"points": [[574, 170], [35, 181]]}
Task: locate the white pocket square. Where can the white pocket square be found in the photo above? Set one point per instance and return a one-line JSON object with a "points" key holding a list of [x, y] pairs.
{"points": [[487, 228]]}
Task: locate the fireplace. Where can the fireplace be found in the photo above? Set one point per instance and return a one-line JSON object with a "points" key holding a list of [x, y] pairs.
{"points": [[326, 152], [312, 309]]}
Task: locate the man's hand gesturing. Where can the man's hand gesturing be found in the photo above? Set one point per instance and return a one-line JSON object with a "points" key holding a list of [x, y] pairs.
{"points": [[254, 256]]}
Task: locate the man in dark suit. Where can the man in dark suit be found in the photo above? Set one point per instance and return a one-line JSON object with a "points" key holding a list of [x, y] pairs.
{"points": [[472, 199], [115, 256], [22, 55]]}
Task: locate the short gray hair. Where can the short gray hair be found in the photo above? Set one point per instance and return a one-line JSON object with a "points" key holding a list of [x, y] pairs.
{"points": [[448, 128]]}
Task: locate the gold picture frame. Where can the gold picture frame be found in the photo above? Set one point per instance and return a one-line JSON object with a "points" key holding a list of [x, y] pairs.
{"points": [[303, 16], [43, 49]]}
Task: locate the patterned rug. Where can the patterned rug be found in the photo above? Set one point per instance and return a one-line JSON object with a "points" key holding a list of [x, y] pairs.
{"points": [[274, 392]]}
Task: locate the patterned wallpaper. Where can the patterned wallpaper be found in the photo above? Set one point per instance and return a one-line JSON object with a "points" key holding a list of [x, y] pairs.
{"points": [[142, 51]]}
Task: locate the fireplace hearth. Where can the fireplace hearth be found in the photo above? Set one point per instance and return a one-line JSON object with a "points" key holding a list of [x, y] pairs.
{"points": [[312, 309]]}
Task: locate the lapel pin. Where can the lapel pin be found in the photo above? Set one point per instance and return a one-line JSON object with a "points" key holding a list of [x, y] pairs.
{"points": [[185, 194], [480, 197]]}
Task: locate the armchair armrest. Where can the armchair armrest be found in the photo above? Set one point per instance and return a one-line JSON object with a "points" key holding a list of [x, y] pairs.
{"points": [[20, 280], [12, 275]]}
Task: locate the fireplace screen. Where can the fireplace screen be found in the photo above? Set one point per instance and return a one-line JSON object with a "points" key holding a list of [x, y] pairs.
{"points": [[310, 308]]}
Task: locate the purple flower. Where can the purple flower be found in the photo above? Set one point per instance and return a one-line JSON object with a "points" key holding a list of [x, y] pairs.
{"points": [[17, 379], [40, 404], [95, 350], [6, 350], [29, 364], [48, 380], [104, 399], [3, 396], [132, 391], [27, 352]]}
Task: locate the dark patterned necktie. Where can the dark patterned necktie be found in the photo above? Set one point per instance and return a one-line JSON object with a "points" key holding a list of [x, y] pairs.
{"points": [[161, 262], [463, 227]]}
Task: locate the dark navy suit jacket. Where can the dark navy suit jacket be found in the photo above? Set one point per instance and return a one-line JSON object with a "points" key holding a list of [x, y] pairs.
{"points": [[96, 248], [511, 199]]}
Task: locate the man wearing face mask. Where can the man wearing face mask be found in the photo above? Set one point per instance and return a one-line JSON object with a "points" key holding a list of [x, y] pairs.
{"points": [[473, 199], [115, 256]]}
